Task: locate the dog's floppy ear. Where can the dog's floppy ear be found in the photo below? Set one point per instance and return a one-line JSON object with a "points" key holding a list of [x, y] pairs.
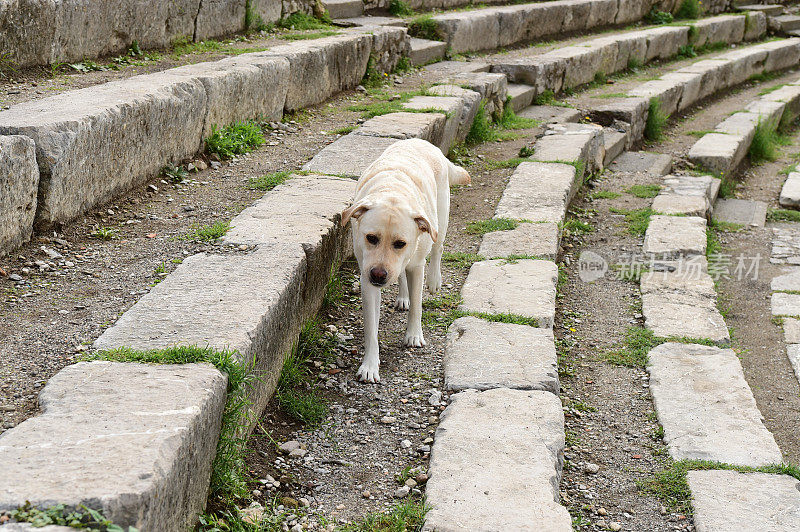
{"points": [[354, 211], [426, 227]]}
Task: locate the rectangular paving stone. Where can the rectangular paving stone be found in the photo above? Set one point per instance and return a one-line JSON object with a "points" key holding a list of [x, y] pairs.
{"points": [[482, 355], [675, 236], [742, 212], [539, 192], [496, 463], [785, 304], [521, 95], [642, 162], [706, 407], [349, 155], [19, 187], [787, 282], [532, 239], [459, 120], [551, 114], [572, 143], [135, 441], [687, 195], [719, 152], [426, 126], [729, 500], [524, 288], [793, 352], [790, 192], [424, 51], [614, 144], [791, 330]]}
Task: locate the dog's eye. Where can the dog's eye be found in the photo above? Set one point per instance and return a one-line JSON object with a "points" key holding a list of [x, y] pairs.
{"points": [[372, 239], [399, 244]]}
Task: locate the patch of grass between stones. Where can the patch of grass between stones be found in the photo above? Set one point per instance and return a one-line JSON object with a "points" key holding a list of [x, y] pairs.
{"points": [[235, 139], [83, 518], [766, 139], [604, 194], [671, 486], [638, 342], [644, 191], [209, 233], [656, 121], [482, 227], [405, 516], [424, 27], [783, 215], [638, 219]]}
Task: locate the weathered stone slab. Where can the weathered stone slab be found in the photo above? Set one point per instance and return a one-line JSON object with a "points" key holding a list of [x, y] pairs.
{"points": [[457, 67], [551, 114], [719, 152], [539, 192], [655, 164], [370, 20], [706, 407], [614, 144], [344, 8], [135, 441], [349, 155], [427, 126], [785, 244], [521, 96], [788, 282], [541, 72], [19, 182], [532, 239], [729, 500], [631, 111], [667, 91], [524, 288], [785, 304], [682, 303], [790, 193], [673, 236], [154, 120], [244, 301], [793, 352], [459, 111], [424, 51], [218, 17], [687, 195], [482, 355], [573, 143], [742, 212], [496, 463], [791, 331]]}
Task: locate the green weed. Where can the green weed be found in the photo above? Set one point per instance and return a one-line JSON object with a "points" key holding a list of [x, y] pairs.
{"points": [[460, 259], [604, 194], [309, 36], [638, 220], [656, 121], [399, 8], [513, 162], [83, 518], [783, 215], [105, 233], [510, 120], [658, 17], [424, 27], [269, 181], [494, 224], [175, 174], [236, 139], [689, 9], [644, 191], [548, 97], [209, 233], [764, 146], [576, 227], [303, 21], [407, 516]]}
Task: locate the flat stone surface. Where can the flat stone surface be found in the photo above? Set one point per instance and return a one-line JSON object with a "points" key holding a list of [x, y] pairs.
{"points": [[687, 195], [793, 352], [532, 239], [790, 193], [368, 20], [785, 244], [539, 192], [682, 303], [496, 463], [791, 330], [135, 441], [615, 142], [344, 8], [457, 67], [572, 143], [482, 355], [642, 162], [460, 111], [521, 95], [729, 500], [404, 126], [719, 152], [424, 51], [349, 155], [742, 212], [679, 204], [524, 288], [787, 282], [19, 187], [673, 236], [551, 114], [706, 407], [785, 304]]}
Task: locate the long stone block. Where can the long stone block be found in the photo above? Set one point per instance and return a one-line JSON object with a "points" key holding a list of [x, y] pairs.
{"points": [[706, 407], [532, 239], [348, 156], [790, 192], [729, 500], [793, 350], [572, 143], [539, 192], [492, 87], [674, 236], [424, 51], [524, 288], [134, 441], [687, 195], [97, 142], [496, 463], [19, 182], [461, 120], [219, 17], [785, 304], [482, 355], [427, 126], [457, 109], [720, 152]]}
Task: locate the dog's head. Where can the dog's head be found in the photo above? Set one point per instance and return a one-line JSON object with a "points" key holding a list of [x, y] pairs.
{"points": [[387, 233]]}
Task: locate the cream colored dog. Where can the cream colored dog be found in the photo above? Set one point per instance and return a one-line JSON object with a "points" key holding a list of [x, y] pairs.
{"points": [[400, 212]]}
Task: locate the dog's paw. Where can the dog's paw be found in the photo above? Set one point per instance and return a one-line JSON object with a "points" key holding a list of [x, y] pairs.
{"points": [[433, 282], [414, 340], [368, 373], [402, 303]]}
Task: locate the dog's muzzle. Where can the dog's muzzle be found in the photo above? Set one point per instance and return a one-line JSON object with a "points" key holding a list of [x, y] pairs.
{"points": [[377, 276]]}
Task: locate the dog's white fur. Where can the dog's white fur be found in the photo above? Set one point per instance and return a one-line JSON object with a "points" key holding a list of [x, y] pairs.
{"points": [[399, 214]]}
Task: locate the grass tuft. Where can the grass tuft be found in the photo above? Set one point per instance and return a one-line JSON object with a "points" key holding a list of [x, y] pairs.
{"points": [[604, 194], [269, 181], [656, 121], [209, 233], [764, 146], [658, 17], [236, 139], [638, 220], [303, 21], [644, 191], [689, 9], [494, 224], [510, 120], [407, 516], [399, 8], [424, 27], [783, 215]]}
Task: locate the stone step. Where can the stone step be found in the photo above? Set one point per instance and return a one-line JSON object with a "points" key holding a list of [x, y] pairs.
{"points": [[577, 64], [729, 500], [523, 287], [493, 88], [348, 156], [668, 297], [741, 212], [459, 104], [457, 67], [687, 195], [642, 162], [521, 357], [19, 181], [769, 10], [551, 114], [572, 143], [344, 8], [785, 304], [793, 352], [614, 144], [402, 125], [370, 20], [675, 236], [790, 192], [786, 23], [424, 51], [521, 96], [540, 239], [496, 463], [134, 441], [538, 192], [706, 407]]}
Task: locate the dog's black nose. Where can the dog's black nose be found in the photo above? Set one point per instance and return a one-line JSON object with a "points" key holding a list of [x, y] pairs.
{"points": [[377, 276]]}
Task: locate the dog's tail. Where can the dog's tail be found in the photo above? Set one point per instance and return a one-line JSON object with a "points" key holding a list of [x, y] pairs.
{"points": [[457, 175]]}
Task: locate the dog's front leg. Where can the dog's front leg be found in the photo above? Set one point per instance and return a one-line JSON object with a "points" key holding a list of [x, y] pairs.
{"points": [[402, 293], [414, 336], [371, 300]]}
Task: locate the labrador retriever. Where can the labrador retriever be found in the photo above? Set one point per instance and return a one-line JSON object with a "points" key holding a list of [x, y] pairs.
{"points": [[400, 213]]}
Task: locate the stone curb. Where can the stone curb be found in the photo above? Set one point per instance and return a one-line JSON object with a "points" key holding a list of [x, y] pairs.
{"points": [[19, 186]]}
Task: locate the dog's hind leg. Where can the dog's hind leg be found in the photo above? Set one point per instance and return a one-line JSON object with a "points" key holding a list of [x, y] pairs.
{"points": [[371, 300], [414, 337], [434, 278], [402, 293]]}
